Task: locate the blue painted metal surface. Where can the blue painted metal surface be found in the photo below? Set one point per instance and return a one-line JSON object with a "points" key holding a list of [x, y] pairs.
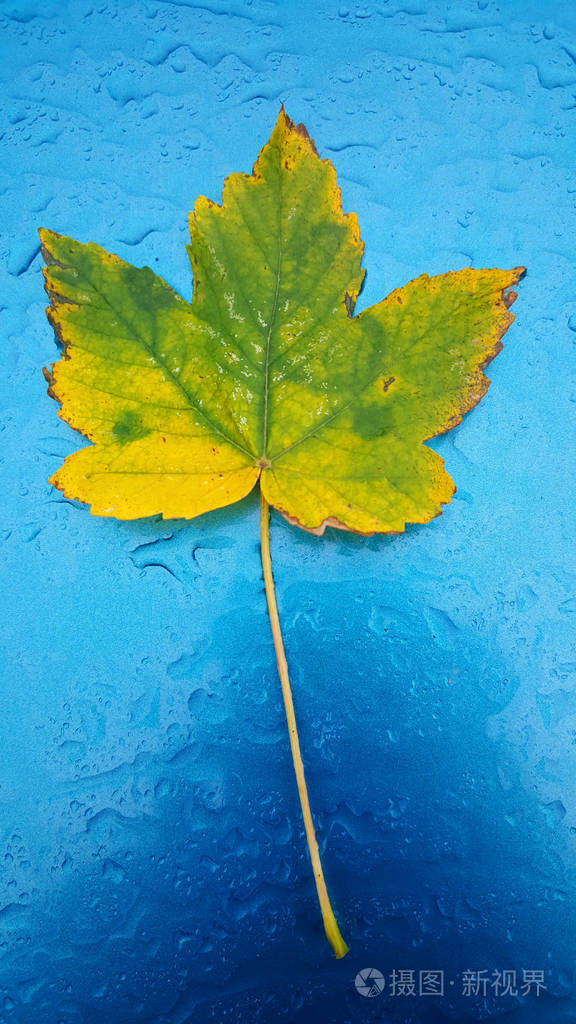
{"points": [[153, 860]]}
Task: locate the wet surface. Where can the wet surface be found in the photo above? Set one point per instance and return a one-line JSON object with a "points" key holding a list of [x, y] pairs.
{"points": [[153, 860]]}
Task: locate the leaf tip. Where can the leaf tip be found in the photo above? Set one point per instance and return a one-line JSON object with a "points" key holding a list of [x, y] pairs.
{"points": [[509, 296], [49, 241], [44, 234], [286, 124]]}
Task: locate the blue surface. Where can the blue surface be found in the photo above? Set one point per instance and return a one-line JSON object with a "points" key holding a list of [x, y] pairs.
{"points": [[153, 860]]}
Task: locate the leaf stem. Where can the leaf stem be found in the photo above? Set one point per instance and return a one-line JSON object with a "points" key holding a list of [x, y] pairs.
{"points": [[332, 931]]}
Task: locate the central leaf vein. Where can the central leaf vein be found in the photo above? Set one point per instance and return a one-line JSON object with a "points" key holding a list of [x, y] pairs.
{"points": [[273, 314]]}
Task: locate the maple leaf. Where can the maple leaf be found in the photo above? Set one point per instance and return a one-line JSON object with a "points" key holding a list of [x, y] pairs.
{"points": [[267, 375]]}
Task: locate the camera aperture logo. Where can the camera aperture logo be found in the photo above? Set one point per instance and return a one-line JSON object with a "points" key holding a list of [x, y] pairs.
{"points": [[369, 982]]}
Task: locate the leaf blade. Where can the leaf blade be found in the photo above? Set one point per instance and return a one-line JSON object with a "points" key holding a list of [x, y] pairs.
{"points": [[282, 290], [267, 372], [156, 478], [125, 392], [414, 383]]}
